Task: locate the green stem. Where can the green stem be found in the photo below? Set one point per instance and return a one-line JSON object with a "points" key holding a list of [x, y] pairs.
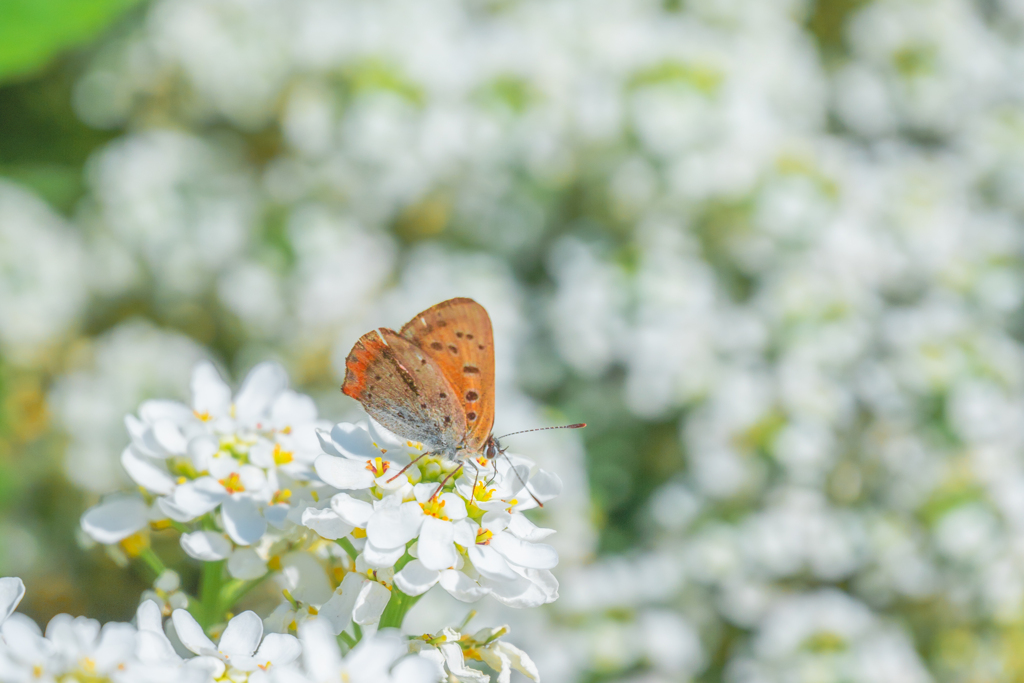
{"points": [[396, 609], [349, 548], [347, 639], [234, 590], [152, 561], [210, 608]]}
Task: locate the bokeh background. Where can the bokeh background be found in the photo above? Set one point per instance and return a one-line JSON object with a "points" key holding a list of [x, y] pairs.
{"points": [[771, 250]]}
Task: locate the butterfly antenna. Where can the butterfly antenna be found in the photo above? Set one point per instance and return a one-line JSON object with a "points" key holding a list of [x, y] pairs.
{"points": [[578, 425]]}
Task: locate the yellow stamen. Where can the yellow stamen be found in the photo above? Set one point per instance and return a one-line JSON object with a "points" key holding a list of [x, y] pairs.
{"points": [[483, 536], [434, 508], [315, 495], [378, 466], [281, 496], [204, 416], [481, 492], [233, 483], [135, 544], [281, 456], [88, 664], [313, 611], [274, 563], [358, 533], [287, 429]]}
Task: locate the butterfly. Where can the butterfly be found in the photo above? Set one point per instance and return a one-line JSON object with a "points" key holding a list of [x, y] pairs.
{"points": [[432, 381]]}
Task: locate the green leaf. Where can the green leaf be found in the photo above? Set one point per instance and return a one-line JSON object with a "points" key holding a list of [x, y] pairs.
{"points": [[32, 32]]}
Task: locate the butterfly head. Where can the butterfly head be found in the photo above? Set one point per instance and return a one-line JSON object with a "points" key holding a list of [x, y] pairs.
{"points": [[492, 449]]}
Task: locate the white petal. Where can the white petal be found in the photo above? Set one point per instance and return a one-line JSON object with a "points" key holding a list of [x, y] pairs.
{"points": [[199, 496], [262, 454], [190, 633], [496, 520], [148, 617], [242, 635], [161, 409], [342, 473], [155, 648], [291, 408], [12, 590], [381, 558], [148, 473], [353, 440], [354, 511], [327, 445], [168, 435], [169, 509], [259, 389], [306, 577], [210, 394], [498, 661], [461, 586], [383, 437], [521, 661], [320, 653], [545, 485], [115, 519], [456, 663], [415, 579], [202, 449], [242, 520], [490, 564], [370, 603], [523, 553], [207, 546], [465, 532], [116, 646], [246, 564], [338, 610], [326, 522], [523, 528], [454, 506], [210, 667], [392, 528], [254, 479], [436, 544], [279, 648]]}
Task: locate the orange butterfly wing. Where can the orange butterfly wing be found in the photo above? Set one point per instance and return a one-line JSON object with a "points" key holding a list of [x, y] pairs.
{"points": [[404, 389], [457, 336]]}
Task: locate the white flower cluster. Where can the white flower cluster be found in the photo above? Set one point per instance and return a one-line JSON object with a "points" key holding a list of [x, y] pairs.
{"points": [[354, 523], [791, 228]]}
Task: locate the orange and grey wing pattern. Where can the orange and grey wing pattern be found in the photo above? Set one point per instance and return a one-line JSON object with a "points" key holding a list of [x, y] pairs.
{"points": [[403, 389], [458, 337]]}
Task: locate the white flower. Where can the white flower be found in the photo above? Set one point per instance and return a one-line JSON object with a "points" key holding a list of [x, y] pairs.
{"points": [[382, 657], [453, 648], [242, 459], [115, 519], [353, 456], [242, 646], [12, 590], [361, 597]]}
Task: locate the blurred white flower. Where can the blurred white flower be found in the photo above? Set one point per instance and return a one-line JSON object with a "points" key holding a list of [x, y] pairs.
{"points": [[42, 269]]}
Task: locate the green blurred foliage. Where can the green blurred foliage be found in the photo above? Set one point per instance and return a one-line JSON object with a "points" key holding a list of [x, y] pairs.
{"points": [[32, 32]]}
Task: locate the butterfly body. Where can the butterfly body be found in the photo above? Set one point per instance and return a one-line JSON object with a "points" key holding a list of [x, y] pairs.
{"points": [[433, 381]]}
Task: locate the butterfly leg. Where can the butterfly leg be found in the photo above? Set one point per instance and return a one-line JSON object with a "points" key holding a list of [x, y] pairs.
{"points": [[445, 481], [414, 461]]}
